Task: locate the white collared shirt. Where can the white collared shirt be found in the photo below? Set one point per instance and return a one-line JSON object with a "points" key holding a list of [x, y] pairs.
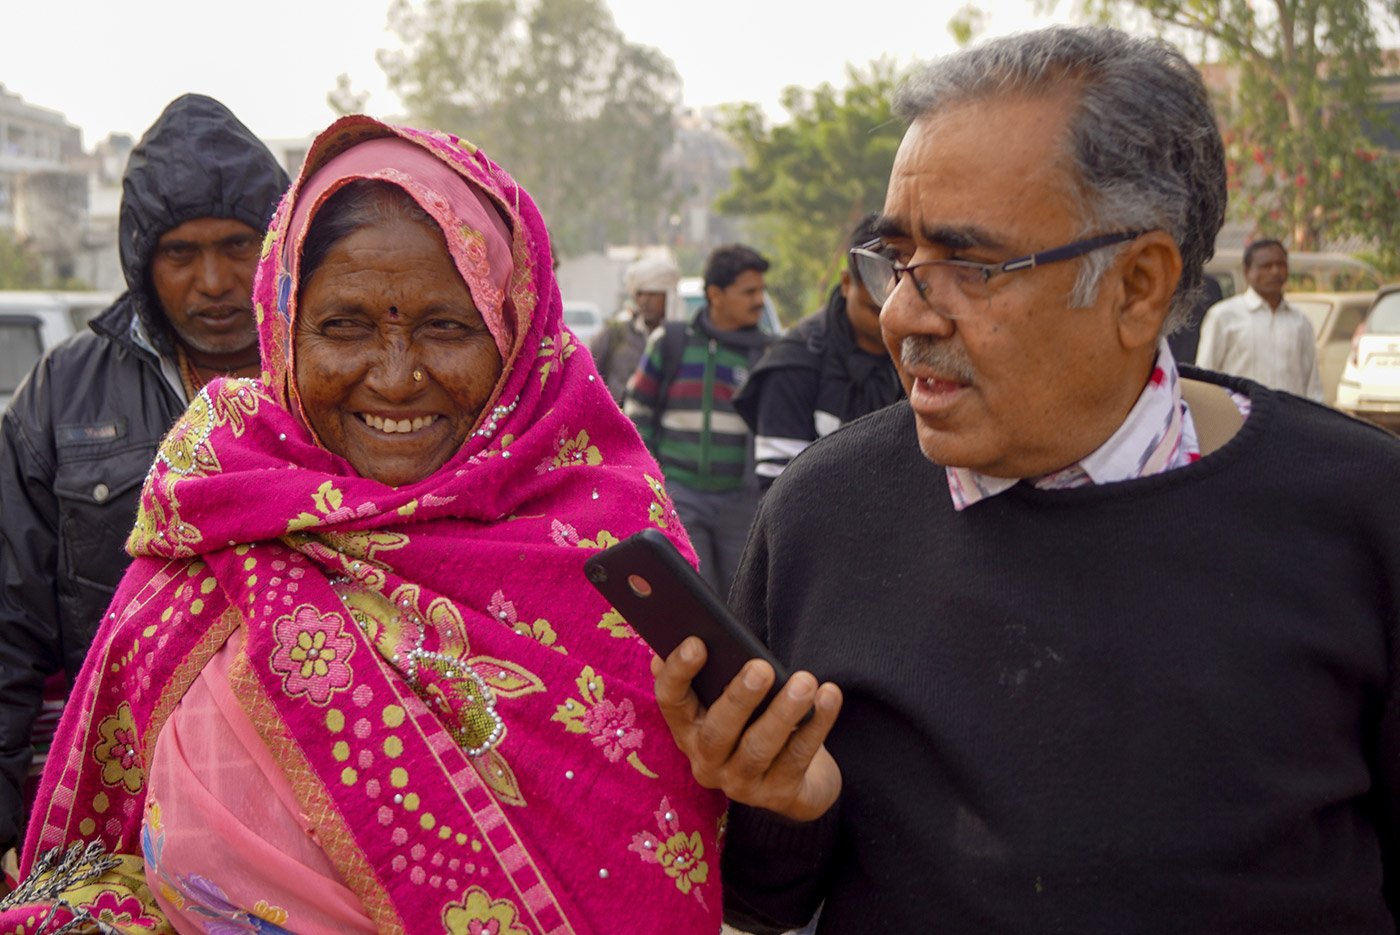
{"points": [[1158, 435], [1275, 347]]}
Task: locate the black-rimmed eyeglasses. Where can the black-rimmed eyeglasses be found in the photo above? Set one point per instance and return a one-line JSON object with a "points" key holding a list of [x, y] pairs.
{"points": [[881, 275]]}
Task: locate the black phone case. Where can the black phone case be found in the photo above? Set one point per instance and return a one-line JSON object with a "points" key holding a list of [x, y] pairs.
{"points": [[679, 604]]}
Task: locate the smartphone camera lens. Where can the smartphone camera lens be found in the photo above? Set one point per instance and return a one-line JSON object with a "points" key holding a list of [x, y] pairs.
{"points": [[639, 585], [596, 573]]}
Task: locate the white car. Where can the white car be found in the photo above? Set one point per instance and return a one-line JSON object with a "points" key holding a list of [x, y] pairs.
{"points": [[33, 322], [1334, 317], [1370, 384], [584, 320]]}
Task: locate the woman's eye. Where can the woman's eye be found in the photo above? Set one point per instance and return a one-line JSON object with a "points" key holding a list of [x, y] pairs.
{"points": [[343, 327], [446, 326]]}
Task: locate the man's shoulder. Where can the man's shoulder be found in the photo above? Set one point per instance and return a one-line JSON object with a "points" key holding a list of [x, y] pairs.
{"points": [[1306, 432], [1228, 306]]}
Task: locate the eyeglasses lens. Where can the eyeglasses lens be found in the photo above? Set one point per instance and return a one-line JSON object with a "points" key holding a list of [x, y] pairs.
{"points": [[877, 275]]}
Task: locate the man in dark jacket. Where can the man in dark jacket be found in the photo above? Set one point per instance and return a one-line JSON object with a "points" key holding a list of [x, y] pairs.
{"points": [[832, 367], [82, 429]]}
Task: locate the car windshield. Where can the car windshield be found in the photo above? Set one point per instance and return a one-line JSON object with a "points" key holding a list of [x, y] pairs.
{"points": [[1385, 315], [580, 316]]}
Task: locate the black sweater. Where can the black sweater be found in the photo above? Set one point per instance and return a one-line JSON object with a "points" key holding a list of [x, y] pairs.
{"points": [[1163, 705]]}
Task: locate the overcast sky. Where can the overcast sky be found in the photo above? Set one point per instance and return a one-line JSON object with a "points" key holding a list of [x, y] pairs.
{"points": [[113, 66]]}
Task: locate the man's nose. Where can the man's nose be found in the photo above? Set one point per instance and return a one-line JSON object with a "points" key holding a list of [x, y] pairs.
{"points": [[906, 312], [214, 274]]}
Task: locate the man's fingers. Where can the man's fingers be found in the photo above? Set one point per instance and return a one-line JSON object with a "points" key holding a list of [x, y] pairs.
{"points": [[766, 738], [806, 742], [674, 697], [725, 719]]}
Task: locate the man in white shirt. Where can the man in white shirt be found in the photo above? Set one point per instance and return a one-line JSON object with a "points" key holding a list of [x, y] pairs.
{"points": [[1258, 334]]}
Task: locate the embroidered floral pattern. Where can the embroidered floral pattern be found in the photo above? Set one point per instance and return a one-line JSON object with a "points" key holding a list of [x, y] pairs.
{"points": [[199, 895], [117, 751], [572, 452], [184, 450], [205, 898], [614, 728], [238, 400], [611, 727], [562, 534], [541, 631], [479, 914], [119, 909], [616, 625], [312, 653], [330, 505], [661, 512], [159, 530], [558, 349], [681, 855]]}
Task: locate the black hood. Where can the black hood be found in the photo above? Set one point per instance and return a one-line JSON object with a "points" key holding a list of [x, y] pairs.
{"points": [[196, 161]]}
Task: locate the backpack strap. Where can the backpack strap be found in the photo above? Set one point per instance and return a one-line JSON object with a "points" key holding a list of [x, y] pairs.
{"points": [[1216, 416], [672, 350]]}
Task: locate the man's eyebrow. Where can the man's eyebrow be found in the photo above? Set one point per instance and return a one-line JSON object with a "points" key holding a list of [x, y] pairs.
{"points": [[887, 228], [963, 237], [951, 236]]}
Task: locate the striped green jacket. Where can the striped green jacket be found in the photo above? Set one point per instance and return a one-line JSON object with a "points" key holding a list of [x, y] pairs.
{"points": [[694, 433]]}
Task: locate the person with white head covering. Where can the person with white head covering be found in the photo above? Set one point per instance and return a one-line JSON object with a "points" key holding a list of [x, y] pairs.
{"points": [[617, 349]]}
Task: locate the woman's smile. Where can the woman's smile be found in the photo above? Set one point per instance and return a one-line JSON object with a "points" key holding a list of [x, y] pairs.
{"points": [[393, 360], [401, 425]]}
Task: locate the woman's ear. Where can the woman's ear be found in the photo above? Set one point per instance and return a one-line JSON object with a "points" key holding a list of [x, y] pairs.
{"points": [[1147, 276]]}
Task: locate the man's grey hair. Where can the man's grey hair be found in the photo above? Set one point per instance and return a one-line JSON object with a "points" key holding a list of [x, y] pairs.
{"points": [[1142, 140]]}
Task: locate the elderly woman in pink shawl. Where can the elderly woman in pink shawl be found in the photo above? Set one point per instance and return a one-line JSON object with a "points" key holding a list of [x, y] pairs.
{"points": [[355, 680]]}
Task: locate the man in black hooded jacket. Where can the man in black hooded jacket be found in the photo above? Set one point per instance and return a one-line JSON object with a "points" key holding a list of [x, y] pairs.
{"points": [[831, 368], [83, 427]]}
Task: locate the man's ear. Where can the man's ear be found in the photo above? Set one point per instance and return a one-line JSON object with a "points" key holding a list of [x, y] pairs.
{"points": [[710, 296], [1145, 279], [846, 284]]}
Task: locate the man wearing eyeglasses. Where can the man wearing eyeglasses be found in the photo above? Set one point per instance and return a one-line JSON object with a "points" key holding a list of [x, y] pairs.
{"points": [[1113, 645]]}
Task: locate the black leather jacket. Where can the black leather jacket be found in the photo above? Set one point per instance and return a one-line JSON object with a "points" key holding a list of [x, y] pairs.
{"points": [[80, 433]]}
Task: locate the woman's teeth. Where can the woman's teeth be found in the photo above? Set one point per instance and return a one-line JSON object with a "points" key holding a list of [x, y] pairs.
{"points": [[392, 426]]}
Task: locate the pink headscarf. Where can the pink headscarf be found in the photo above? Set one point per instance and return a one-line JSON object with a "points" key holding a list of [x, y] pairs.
{"points": [[471, 696]]}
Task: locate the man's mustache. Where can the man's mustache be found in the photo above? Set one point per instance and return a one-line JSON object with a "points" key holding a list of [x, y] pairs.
{"points": [[948, 360]]}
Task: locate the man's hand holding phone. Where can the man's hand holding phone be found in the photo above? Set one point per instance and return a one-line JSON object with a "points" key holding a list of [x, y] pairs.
{"points": [[778, 763]]}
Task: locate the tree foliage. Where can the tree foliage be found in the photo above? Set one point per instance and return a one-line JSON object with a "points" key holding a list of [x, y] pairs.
{"points": [[553, 91], [19, 268], [807, 181], [1301, 163]]}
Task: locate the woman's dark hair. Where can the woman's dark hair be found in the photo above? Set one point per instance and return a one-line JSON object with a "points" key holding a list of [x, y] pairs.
{"points": [[731, 261], [361, 203]]}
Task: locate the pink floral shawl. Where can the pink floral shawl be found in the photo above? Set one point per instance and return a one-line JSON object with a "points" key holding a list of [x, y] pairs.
{"points": [[427, 663]]}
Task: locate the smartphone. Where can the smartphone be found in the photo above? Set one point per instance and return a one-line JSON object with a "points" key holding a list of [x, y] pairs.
{"points": [[648, 581]]}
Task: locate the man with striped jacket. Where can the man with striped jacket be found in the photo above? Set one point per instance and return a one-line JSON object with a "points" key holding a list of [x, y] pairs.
{"points": [[682, 399]]}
